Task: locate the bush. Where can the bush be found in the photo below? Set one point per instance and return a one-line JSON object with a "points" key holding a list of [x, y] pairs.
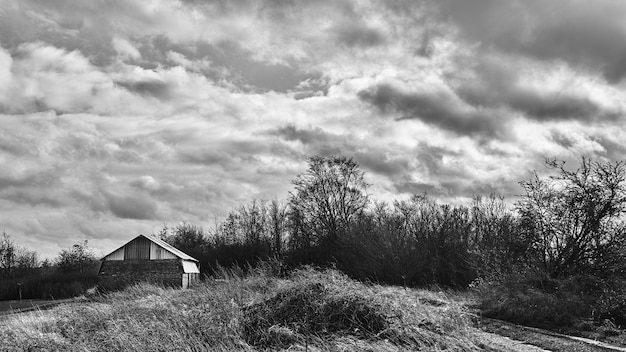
{"points": [[311, 308], [48, 284], [536, 299]]}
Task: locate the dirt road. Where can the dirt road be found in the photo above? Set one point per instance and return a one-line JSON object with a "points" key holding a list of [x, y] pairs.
{"points": [[9, 307], [504, 336]]}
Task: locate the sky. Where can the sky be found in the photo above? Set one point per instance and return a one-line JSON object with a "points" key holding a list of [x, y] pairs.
{"points": [[120, 116]]}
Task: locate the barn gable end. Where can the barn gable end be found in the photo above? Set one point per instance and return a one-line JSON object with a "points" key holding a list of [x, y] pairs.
{"points": [[147, 259]]}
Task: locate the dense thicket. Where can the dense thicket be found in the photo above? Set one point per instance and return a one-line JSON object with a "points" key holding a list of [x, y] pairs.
{"points": [[563, 225], [23, 276]]}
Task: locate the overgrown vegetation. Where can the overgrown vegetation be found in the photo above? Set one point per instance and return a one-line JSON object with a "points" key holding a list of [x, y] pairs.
{"points": [[555, 258], [575, 268], [23, 277], [236, 314]]}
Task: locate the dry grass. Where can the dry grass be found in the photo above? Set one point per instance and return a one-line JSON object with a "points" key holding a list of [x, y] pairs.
{"points": [[310, 311]]}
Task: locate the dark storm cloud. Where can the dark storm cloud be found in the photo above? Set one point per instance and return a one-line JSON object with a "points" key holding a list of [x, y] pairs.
{"points": [[561, 139], [430, 158], [132, 206], [437, 109], [155, 88], [316, 141], [589, 34], [375, 161], [496, 85], [358, 35], [372, 158], [614, 148], [552, 106], [536, 105], [305, 136]]}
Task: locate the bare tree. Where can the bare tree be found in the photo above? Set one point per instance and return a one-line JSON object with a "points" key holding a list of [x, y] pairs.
{"points": [[575, 215], [278, 226], [328, 196]]}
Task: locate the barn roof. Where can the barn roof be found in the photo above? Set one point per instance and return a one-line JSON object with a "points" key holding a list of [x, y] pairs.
{"points": [[159, 242]]}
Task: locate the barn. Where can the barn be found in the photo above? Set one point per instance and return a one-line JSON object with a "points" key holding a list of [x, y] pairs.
{"points": [[149, 259]]}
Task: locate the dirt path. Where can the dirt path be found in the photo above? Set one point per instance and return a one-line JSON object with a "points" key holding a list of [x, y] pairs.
{"points": [[495, 342], [521, 339], [10, 307]]}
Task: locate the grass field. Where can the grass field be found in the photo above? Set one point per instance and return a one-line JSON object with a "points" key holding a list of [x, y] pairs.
{"points": [[310, 310], [307, 311]]}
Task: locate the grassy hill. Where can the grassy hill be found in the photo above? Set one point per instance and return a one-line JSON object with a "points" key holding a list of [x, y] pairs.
{"points": [[309, 310]]}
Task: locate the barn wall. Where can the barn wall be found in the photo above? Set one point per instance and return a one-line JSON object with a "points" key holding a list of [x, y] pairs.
{"points": [[137, 249], [159, 253], [117, 255], [118, 274]]}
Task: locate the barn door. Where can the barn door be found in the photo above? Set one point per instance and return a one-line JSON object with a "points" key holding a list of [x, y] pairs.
{"points": [[185, 280]]}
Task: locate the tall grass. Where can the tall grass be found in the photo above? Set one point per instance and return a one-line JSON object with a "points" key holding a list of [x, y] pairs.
{"points": [[237, 311]]}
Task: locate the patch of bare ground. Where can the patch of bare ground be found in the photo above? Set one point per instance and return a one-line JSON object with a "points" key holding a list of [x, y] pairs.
{"points": [[495, 342], [16, 306], [547, 340]]}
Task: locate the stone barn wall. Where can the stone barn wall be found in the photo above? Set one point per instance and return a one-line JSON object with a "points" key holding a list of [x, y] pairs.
{"points": [[117, 274]]}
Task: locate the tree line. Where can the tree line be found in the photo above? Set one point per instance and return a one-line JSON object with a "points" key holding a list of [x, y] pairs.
{"points": [[564, 229], [566, 224], [24, 276]]}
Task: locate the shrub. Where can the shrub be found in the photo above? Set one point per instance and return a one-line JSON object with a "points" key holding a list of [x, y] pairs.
{"points": [[311, 308], [538, 300], [48, 284]]}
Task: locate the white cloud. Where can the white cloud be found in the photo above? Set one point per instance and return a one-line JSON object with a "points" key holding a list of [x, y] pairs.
{"points": [[118, 118], [6, 77], [125, 49]]}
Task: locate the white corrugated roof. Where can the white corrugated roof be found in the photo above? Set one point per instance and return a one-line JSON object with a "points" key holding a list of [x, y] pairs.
{"points": [[168, 247], [177, 252]]}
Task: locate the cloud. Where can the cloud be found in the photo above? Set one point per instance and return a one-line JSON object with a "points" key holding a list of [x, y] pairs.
{"points": [[354, 34], [587, 35], [118, 118], [132, 206], [381, 163], [5, 76], [46, 77], [125, 49], [536, 92], [437, 108], [149, 87], [305, 136]]}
